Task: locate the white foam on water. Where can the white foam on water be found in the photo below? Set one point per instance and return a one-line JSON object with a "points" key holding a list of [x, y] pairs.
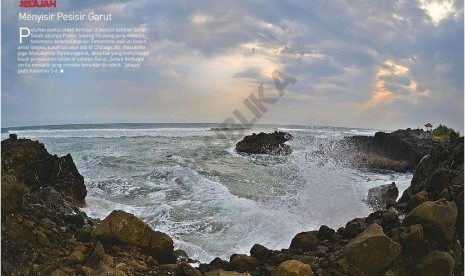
{"points": [[205, 219], [97, 207], [365, 132], [210, 199]]}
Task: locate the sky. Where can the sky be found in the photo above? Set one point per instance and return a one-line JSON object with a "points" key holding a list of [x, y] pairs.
{"points": [[384, 64]]}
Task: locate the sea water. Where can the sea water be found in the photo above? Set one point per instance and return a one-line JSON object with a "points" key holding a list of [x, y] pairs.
{"points": [[188, 181]]}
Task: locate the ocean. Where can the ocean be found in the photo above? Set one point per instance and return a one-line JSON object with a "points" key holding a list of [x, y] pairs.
{"points": [[188, 181]]}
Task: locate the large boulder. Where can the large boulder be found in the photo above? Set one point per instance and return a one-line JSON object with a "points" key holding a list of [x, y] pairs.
{"points": [[265, 143], [32, 165], [438, 219], [379, 197], [304, 241], [122, 227], [325, 232], [260, 252], [435, 263], [292, 268], [243, 263], [372, 251]]}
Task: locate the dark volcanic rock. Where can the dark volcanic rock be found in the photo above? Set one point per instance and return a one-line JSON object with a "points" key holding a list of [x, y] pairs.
{"points": [[304, 241], [438, 181], [420, 141], [325, 232], [399, 151], [265, 143], [441, 169], [379, 197], [215, 264], [260, 252], [32, 165]]}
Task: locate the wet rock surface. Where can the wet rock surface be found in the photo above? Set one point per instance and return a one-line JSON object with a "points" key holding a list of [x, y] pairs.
{"points": [[44, 233], [382, 196], [266, 143], [398, 151]]}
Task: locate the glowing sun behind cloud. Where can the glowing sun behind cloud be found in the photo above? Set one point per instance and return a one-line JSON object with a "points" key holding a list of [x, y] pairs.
{"points": [[438, 10], [382, 93]]}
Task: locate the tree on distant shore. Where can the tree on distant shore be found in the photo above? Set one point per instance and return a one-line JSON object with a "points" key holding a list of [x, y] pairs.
{"points": [[443, 131]]}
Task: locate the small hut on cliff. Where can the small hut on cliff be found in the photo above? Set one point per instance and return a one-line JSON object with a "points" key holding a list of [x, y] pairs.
{"points": [[429, 127]]}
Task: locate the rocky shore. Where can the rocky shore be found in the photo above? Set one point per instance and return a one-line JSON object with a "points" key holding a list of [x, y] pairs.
{"points": [[45, 233], [398, 151]]}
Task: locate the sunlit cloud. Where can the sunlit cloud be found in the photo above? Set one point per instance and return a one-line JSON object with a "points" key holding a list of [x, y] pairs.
{"points": [[438, 10], [357, 63], [391, 75], [201, 19], [413, 85]]}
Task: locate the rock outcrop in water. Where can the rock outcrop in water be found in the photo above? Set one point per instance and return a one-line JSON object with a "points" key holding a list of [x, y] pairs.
{"points": [[398, 151], [265, 143], [44, 233], [382, 196]]}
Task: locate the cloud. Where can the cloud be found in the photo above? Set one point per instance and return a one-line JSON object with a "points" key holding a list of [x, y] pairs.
{"points": [[169, 73], [249, 73], [356, 63], [438, 10]]}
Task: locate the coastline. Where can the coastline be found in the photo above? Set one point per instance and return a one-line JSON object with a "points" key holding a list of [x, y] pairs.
{"points": [[324, 251]]}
